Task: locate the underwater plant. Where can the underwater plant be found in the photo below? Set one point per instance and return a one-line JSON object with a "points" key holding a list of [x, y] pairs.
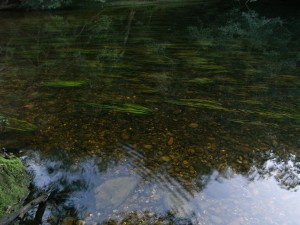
{"points": [[127, 108], [64, 83], [9, 123]]}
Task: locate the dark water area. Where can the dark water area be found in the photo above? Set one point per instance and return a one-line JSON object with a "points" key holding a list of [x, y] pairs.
{"points": [[176, 112]]}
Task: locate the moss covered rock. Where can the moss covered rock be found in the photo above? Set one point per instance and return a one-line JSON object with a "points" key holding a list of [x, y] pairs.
{"points": [[14, 182]]}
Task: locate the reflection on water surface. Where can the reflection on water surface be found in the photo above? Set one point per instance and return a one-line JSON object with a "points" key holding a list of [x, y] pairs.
{"points": [[148, 113], [131, 189]]}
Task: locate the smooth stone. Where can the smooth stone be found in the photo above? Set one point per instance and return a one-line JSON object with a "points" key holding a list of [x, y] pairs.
{"points": [[170, 141], [185, 162], [239, 161], [147, 146], [80, 222], [192, 151], [166, 158], [125, 136], [274, 143], [113, 192], [177, 111], [68, 221], [193, 125]]}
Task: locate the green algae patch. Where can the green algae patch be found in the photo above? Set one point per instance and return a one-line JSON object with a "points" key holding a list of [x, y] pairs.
{"points": [[14, 182], [64, 83]]}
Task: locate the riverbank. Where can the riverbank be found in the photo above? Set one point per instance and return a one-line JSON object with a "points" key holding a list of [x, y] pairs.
{"points": [[14, 182]]}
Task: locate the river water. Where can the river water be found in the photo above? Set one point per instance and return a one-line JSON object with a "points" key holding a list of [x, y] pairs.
{"points": [[170, 112]]}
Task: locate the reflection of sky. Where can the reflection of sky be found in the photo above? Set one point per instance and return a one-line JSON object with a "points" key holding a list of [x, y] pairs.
{"points": [[227, 198], [242, 202]]}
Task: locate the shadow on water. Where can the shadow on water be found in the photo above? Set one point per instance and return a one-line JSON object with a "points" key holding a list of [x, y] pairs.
{"points": [[154, 113]]}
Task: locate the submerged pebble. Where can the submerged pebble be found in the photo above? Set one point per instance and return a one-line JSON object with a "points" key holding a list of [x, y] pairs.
{"points": [[68, 221], [80, 222], [185, 162], [166, 158], [171, 141], [193, 125], [125, 136], [147, 146]]}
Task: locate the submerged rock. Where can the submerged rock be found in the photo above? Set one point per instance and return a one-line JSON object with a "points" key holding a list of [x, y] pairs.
{"points": [[170, 141], [147, 146], [68, 221], [113, 192], [194, 125], [166, 158]]}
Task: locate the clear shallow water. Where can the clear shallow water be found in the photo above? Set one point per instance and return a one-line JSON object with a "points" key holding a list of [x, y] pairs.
{"points": [[200, 124]]}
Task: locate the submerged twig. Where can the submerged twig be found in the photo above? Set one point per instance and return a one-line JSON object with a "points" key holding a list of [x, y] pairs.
{"points": [[21, 212]]}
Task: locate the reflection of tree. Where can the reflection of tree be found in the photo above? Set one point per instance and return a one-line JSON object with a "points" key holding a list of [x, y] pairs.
{"points": [[72, 187], [285, 170], [61, 179]]}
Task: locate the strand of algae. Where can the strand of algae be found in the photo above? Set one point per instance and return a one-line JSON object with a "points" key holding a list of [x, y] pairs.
{"points": [[64, 83], [210, 104], [9, 123], [127, 108], [255, 123], [199, 103], [201, 80]]}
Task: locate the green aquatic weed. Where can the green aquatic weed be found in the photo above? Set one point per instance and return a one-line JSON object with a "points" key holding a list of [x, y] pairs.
{"points": [[254, 123], [9, 123], [199, 103], [204, 103], [127, 108], [252, 102], [64, 83], [280, 115]]}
